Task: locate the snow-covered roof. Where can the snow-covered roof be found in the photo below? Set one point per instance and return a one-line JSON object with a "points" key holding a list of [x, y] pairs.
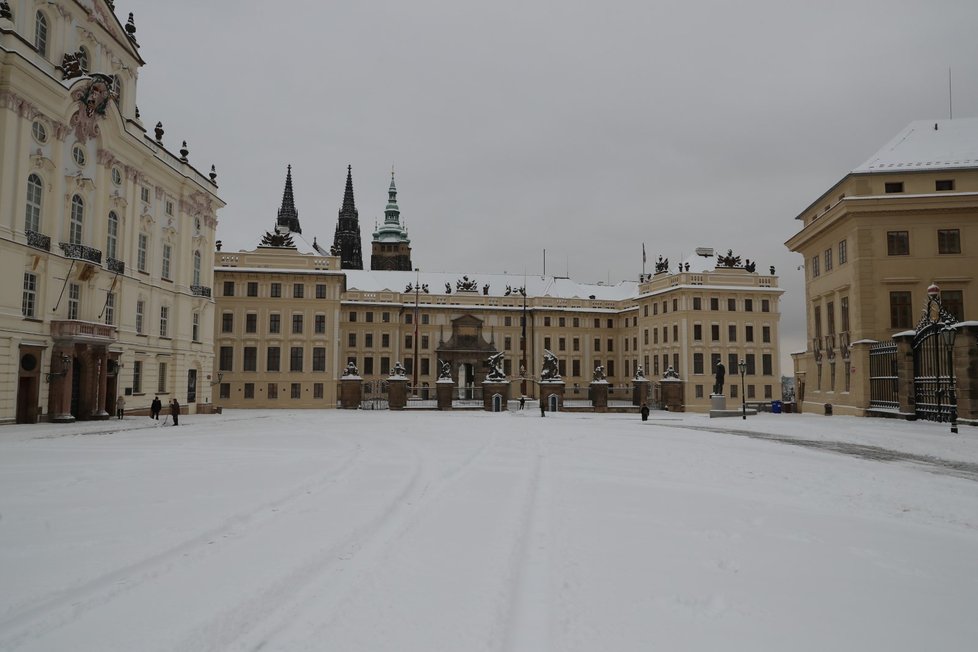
{"points": [[536, 286], [928, 145]]}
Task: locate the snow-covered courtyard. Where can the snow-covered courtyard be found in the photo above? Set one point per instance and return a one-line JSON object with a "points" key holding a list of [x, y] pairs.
{"points": [[425, 531]]}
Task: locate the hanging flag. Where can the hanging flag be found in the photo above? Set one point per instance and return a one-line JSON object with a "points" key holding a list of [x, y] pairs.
{"points": [[643, 253]]}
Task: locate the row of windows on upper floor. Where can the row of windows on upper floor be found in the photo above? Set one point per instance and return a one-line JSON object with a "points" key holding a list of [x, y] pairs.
{"points": [[750, 362], [897, 244], [229, 289], [732, 304], [76, 301], [295, 390], [901, 311]]}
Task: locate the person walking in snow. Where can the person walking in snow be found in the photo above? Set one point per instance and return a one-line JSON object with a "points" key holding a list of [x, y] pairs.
{"points": [[522, 402], [175, 412], [645, 411], [120, 406], [155, 408], [543, 408]]}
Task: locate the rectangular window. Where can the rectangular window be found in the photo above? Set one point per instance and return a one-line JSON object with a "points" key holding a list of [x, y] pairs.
{"points": [[425, 366], [697, 303], [164, 321], [507, 321], [715, 332], [748, 305], [508, 343], [891, 187], [385, 340], [296, 390], [767, 367], [815, 268], [249, 390], [675, 332], [273, 391], [697, 333], [731, 332], [317, 390], [731, 304], [714, 303], [897, 243], [425, 318], [110, 308], [320, 324], [732, 364], [168, 207], [408, 342], [817, 317], [665, 334], [74, 300], [697, 363], [611, 368], [560, 322], [843, 252], [351, 339], [751, 392], [140, 308], [250, 362], [901, 313], [953, 301], [830, 317], [765, 305], [844, 313], [368, 340], [195, 327], [319, 358], [597, 344], [161, 378], [275, 290], [229, 288], [251, 323], [297, 324], [748, 333], [424, 342], [295, 359], [766, 334], [273, 359], [252, 288], [28, 304], [546, 321], [943, 185], [408, 318], [385, 365], [370, 317], [750, 359], [141, 250], [828, 259], [167, 253], [227, 322], [137, 377], [144, 194], [225, 359], [298, 291], [611, 345], [948, 241], [275, 323], [225, 391], [547, 344]]}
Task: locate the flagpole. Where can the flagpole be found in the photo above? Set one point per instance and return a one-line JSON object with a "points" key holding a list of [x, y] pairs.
{"points": [[643, 261]]}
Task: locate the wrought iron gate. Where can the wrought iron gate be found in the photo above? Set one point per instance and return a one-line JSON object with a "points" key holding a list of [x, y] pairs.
{"points": [[374, 396], [883, 381], [933, 377]]}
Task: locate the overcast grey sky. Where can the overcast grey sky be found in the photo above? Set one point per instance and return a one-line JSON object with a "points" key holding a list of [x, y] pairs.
{"points": [[582, 128]]}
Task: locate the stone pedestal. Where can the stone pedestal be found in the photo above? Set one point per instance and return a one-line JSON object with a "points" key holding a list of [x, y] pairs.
{"points": [[718, 408], [906, 391], [966, 371], [673, 394], [397, 392], [552, 388], [350, 392], [640, 391], [444, 390], [718, 402], [492, 387], [599, 395]]}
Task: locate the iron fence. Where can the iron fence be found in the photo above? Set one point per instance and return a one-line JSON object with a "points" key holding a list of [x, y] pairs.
{"points": [[883, 381]]}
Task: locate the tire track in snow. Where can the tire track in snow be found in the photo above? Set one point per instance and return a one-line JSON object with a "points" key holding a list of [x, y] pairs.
{"points": [[348, 564], [26, 621]]}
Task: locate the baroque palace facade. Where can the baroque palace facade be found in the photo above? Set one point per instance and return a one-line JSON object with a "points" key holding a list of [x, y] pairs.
{"points": [[873, 244], [289, 322], [106, 235]]}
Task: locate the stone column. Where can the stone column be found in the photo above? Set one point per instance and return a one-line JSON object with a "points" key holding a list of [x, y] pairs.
{"points": [[673, 394], [966, 371], [59, 393], [492, 387], [443, 390], [859, 390], [599, 395], [905, 385], [351, 390], [100, 359], [551, 388], [397, 392], [640, 391]]}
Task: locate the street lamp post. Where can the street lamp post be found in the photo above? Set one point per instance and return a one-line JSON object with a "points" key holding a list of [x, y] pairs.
{"points": [[415, 363], [743, 394], [947, 338], [523, 344]]}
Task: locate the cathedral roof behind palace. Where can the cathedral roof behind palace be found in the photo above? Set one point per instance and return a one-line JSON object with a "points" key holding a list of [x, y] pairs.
{"points": [[536, 286], [928, 145]]}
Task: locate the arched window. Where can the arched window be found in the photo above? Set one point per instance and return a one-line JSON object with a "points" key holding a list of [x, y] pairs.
{"points": [[41, 34], [33, 218], [196, 268], [112, 239], [77, 220]]}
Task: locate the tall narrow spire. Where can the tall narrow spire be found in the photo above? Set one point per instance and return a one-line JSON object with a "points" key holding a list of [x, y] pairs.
{"points": [[346, 241], [392, 213], [288, 216], [391, 248]]}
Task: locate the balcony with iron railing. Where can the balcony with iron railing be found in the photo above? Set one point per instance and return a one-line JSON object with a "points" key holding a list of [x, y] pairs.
{"points": [[200, 290], [114, 265], [81, 252], [38, 240]]}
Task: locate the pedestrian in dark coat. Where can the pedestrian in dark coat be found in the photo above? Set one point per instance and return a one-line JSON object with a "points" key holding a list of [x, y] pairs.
{"points": [[543, 408], [645, 411], [522, 402], [175, 412], [155, 408]]}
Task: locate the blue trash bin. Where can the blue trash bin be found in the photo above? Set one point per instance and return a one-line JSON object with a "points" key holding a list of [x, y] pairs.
{"points": [[776, 407]]}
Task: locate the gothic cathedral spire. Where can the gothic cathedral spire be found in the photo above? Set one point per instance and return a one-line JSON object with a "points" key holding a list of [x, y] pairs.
{"points": [[346, 242], [288, 216]]}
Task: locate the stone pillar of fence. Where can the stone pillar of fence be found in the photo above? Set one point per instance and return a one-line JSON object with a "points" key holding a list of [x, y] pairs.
{"points": [[860, 392], [599, 395], [397, 392], [351, 390], [905, 384], [492, 387], [443, 390], [966, 371], [640, 390], [673, 394], [552, 388]]}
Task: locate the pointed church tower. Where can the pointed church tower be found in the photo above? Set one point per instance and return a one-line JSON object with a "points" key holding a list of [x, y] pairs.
{"points": [[288, 216], [346, 242], [391, 247]]}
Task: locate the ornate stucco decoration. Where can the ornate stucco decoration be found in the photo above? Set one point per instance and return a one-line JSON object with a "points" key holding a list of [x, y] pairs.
{"points": [[41, 162], [106, 158], [78, 183], [98, 14], [464, 284], [118, 200], [200, 204], [93, 98]]}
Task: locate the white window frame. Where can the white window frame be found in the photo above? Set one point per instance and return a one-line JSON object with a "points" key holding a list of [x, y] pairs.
{"points": [[41, 33], [35, 197], [141, 252], [29, 302], [140, 310], [167, 255], [110, 308], [164, 321], [74, 300], [76, 224], [112, 235]]}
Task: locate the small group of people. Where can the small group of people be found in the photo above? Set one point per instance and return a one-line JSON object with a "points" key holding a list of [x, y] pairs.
{"points": [[154, 409]]}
